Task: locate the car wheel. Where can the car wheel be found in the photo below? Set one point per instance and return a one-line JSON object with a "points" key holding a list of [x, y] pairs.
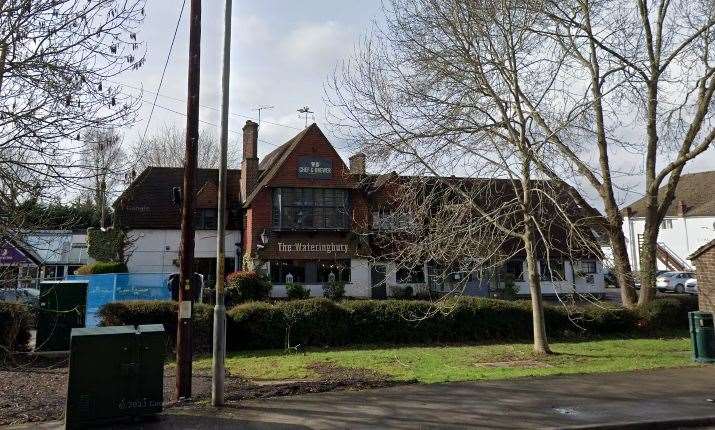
{"points": [[680, 289]]}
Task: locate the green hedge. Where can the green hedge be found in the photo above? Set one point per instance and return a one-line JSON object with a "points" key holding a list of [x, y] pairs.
{"points": [[161, 312], [15, 319], [321, 322], [101, 267]]}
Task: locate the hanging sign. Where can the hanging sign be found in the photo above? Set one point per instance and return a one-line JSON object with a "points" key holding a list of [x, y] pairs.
{"points": [[315, 168], [11, 255]]}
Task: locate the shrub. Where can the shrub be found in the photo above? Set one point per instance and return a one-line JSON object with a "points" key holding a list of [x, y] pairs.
{"points": [[102, 267], [394, 321], [297, 291], [316, 322], [400, 292], [666, 314], [334, 290], [246, 287], [255, 325], [161, 312], [14, 327]]}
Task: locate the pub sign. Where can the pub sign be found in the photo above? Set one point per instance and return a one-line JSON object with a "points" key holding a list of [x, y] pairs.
{"points": [[315, 168]]}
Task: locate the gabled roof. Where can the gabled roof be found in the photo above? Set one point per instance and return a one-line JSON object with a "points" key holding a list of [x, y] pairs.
{"points": [[698, 252], [694, 189], [272, 162], [146, 203], [23, 248]]}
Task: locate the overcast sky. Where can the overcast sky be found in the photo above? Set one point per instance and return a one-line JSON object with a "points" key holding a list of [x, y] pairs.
{"points": [[282, 54]]}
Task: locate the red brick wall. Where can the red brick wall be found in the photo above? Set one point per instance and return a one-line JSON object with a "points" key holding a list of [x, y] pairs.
{"points": [[705, 265], [314, 143]]}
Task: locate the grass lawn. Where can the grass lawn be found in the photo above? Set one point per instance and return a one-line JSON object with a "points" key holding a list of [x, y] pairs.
{"points": [[431, 364]]}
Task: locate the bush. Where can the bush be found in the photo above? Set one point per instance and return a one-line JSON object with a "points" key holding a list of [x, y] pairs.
{"points": [[317, 322], [246, 287], [161, 312], [297, 291], [666, 314], [400, 292], [334, 290], [15, 321], [102, 267], [255, 325]]}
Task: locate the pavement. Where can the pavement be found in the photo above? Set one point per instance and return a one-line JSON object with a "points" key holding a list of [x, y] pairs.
{"points": [[664, 398]]}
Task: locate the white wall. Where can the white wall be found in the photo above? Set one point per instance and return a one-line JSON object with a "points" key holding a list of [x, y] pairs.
{"points": [[156, 250], [598, 286], [687, 235]]}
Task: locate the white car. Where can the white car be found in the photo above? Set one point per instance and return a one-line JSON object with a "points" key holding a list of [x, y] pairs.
{"points": [[691, 286], [672, 281]]}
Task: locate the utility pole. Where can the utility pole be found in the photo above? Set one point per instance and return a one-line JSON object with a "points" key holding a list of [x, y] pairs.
{"points": [[184, 344], [219, 335]]}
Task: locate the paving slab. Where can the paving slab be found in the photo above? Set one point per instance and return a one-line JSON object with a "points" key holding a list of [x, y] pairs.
{"points": [[675, 397]]}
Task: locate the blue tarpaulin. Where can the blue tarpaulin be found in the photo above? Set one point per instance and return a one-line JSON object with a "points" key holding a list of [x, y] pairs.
{"points": [[119, 287]]}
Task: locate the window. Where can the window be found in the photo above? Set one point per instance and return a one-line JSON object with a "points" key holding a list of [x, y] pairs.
{"points": [[205, 219], [311, 209], [54, 272], [515, 268], [310, 271], [587, 267], [667, 224], [340, 268], [389, 221], [411, 275], [552, 270]]}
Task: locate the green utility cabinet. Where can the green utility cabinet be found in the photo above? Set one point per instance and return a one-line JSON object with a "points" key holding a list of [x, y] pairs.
{"points": [[115, 373], [63, 306], [702, 333]]}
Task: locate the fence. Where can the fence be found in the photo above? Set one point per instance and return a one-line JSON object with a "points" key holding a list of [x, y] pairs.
{"points": [[117, 287]]}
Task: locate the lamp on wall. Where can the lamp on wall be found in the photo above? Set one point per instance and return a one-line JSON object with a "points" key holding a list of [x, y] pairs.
{"points": [[263, 240]]}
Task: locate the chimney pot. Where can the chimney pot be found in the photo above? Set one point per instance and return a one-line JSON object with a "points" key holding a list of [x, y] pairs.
{"points": [[357, 164]]}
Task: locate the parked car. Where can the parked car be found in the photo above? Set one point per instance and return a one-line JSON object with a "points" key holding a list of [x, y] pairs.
{"points": [[691, 286], [673, 281], [638, 278], [28, 296]]}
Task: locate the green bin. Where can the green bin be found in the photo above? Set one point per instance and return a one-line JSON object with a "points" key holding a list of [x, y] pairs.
{"points": [[115, 373], [63, 306], [702, 333]]}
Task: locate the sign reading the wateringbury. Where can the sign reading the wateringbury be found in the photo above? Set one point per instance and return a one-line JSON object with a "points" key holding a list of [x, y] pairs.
{"points": [[315, 168], [330, 247]]}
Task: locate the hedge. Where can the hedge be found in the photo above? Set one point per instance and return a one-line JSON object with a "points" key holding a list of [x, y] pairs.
{"points": [[321, 322], [101, 267], [15, 319], [161, 312]]}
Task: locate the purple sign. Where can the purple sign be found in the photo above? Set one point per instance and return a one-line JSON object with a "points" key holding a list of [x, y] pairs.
{"points": [[11, 255]]}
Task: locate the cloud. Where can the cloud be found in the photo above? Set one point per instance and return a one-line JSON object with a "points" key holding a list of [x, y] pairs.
{"points": [[316, 45]]}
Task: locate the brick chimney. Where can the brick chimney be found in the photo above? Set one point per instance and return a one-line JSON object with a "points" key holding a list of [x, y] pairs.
{"points": [[357, 164], [682, 208], [249, 164]]}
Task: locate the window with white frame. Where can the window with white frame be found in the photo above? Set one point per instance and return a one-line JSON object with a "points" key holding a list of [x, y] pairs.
{"points": [[667, 224]]}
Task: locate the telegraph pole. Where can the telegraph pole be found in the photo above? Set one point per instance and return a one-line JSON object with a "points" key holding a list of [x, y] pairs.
{"points": [[219, 335], [184, 344]]}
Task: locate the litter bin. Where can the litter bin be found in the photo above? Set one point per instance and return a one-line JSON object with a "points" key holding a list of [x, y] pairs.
{"points": [[115, 373], [702, 333], [63, 305]]}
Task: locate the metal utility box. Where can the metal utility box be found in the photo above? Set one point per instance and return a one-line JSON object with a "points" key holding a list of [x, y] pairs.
{"points": [[62, 307], [702, 334], [115, 373]]}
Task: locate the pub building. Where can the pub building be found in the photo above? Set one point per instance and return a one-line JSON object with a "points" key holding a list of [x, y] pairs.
{"points": [[298, 213]]}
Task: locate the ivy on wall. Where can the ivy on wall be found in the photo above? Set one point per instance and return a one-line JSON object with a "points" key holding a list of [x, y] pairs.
{"points": [[107, 245]]}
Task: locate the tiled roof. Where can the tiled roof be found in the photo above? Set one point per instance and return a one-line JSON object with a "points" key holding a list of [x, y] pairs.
{"points": [[694, 189], [146, 203]]}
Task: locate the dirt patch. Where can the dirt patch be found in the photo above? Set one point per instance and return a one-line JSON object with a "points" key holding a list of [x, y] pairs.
{"points": [[35, 391], [514, 363]]}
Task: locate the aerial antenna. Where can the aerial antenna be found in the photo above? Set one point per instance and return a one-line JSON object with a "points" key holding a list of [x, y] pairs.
{"points": [[305, 110], [259, 109]]}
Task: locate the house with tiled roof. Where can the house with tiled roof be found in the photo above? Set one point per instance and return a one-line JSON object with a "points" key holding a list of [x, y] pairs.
{"points": [[689, 223], [302, 213]]}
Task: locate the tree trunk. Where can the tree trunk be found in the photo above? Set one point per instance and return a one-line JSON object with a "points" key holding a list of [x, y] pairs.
{"points": [[648, 261], [541, 344], [621, 263]]}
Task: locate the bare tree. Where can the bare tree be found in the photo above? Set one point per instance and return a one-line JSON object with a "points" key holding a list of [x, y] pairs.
{"points": [[437, 93], [56, 59], [105, 166], [166, 149], [649, 68]]}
